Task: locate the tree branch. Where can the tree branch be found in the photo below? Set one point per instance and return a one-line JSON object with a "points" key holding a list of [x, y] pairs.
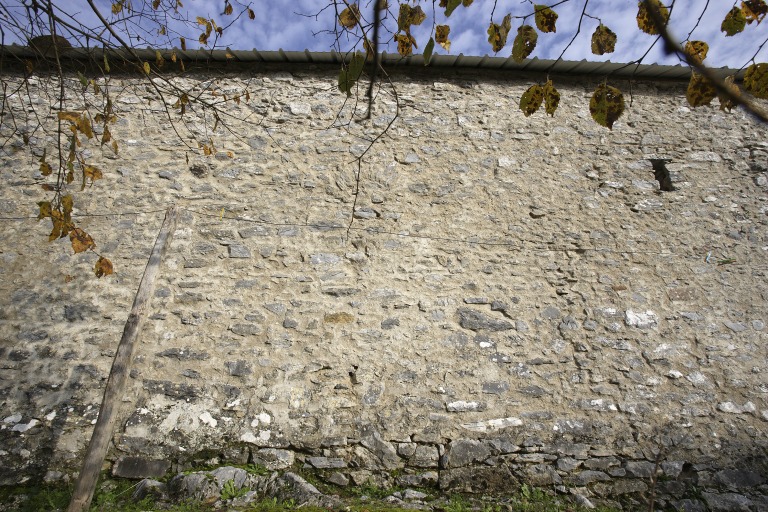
{"points": [[672, 47]]}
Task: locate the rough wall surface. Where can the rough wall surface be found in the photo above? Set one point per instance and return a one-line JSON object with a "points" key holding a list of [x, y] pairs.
{"points": [[516, 300]]}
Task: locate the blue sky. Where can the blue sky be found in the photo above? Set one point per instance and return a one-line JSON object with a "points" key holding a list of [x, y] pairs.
{"points": [[279, 24]]}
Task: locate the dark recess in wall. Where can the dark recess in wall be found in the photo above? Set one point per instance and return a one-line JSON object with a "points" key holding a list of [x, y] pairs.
{"points": [[661, 173]]}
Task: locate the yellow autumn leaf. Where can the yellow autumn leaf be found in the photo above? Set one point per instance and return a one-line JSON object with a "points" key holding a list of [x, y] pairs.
{"points": [[81, 241], [700, 91], [106, 135], [85, 126], [525, 43], [405, 44], [726, 103], [603, 40], [545, 18], [408, 16], [497, 34], [696, 51], [734, 22], [67, 205], [606, 105], [754, 10], [103, 267], [46, 210], [90, 173], [72, 117], [349, 16], [756, 80], [551, 98], [531, 99], [45, 169], [441, 36], [645, 19]]}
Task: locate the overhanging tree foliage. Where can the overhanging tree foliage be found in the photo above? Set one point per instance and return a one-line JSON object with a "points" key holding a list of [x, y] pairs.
{"points": [[84, 113]]}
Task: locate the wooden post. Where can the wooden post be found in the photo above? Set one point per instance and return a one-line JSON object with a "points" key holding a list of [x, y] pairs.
{"points": [[102, 432]]}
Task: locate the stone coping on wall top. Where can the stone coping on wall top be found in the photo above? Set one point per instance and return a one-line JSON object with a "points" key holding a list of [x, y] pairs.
{"points": [[238, 59]]}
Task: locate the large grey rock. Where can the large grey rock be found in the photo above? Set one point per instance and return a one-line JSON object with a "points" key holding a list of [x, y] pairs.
{"points": [[477, 321], [139, 467], [326, 462], [739, 478], [727, 502], [274, 458], [291, 487], [383, 450], [541, 475], [149, 488], [463, 452], [477, 479], [587, 477]]}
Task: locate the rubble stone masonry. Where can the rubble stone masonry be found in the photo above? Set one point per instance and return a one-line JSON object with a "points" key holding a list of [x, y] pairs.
{"points": [[497, 300]]}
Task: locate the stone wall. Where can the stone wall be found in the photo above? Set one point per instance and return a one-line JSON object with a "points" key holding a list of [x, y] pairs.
{"points": [[506, 300]]}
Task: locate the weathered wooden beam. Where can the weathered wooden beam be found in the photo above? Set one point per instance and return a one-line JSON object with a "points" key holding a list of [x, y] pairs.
{"points": [[102, 432]]}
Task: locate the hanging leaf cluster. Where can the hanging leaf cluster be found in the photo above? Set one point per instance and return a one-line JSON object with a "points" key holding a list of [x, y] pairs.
{"points": [[60, 214], [59, 210], [536, 95], [210, 27], [407, 17], [701, 91], [525, 40]]}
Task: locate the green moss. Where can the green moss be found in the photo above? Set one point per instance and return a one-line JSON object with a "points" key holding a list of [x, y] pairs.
{"points": [[114, 495], [34, 498]]}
